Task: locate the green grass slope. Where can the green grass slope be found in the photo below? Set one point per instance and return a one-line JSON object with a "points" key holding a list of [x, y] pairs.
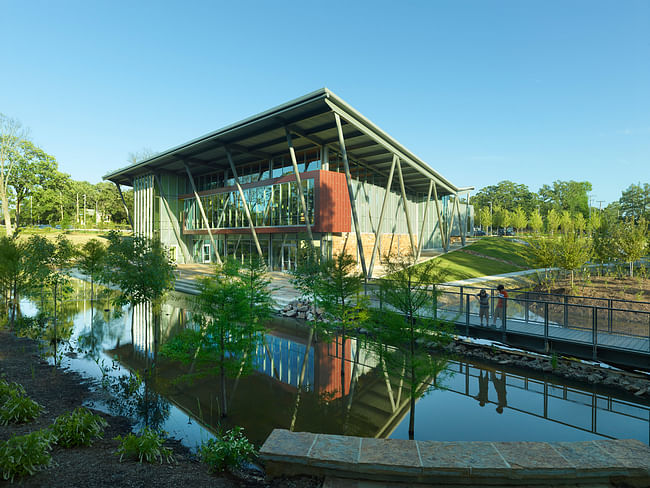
{"points": [[461, 265]]}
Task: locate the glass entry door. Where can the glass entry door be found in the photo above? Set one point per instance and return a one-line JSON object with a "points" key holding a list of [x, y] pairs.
{"points": [[288, 257], [206, 253]]}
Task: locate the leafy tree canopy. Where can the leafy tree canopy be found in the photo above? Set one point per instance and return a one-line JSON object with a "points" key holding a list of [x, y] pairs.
{"points": [[566, 195], [506, 194]]}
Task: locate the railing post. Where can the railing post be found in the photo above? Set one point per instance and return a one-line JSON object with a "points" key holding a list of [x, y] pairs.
{"points": [[566, 311], [594, 331], [609, 315], [461, 300], [527, 308], [467, 315], [546, 327], [435, 303], [504, 312], [492, 303]]}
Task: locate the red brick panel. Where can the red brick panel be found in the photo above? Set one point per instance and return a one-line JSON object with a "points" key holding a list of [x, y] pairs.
{"points": [[333, 210]]}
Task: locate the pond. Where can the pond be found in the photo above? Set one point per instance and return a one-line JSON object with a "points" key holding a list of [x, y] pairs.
{"points": [[297, 384]]}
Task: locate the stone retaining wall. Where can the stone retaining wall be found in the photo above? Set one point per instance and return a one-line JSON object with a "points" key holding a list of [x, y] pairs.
{"points": [[598, 462]]}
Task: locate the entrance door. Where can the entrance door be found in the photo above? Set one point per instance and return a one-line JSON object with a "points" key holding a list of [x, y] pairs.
{"points": [[206, 253], [289, 254]]}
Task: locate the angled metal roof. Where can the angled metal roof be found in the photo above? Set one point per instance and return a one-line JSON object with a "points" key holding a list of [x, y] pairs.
{"points": [[310, 119]]}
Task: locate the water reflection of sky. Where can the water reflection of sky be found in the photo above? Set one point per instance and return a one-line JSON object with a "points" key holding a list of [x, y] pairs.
{"points": [[533, 409]]}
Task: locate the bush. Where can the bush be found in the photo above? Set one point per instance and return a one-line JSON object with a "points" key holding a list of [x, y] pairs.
{"points": [[26, 454], [78, 428], [15, 405], [229, 450], [7, 389], [148, 446]]}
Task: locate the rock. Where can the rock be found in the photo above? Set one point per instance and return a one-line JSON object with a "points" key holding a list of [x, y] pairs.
{"points": [[641, 392], [290, 313], [309, 316], [303, 308], [594, 378], [301, 315]]}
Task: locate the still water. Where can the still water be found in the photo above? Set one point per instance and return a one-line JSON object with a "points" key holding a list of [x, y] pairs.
{"points": [[298, 384]]}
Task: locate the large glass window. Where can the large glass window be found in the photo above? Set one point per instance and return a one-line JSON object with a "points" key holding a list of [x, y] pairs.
{"points": [[271, 205]]}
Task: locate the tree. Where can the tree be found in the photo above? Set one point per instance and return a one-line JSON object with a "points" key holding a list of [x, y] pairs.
{"points": [[579, 223], [631, 241], [141, 155], [485, 217], [552, 221], [411, 292], [226, 336], [536, 221], [572, 252], [506, 194], [15, 267], [91, 262], [11, 133], [519, 219], [566, 222], [338, 292], [499, 217], [32, 169], [566, 195], [542, 254], [635, 201], [139, 267]]}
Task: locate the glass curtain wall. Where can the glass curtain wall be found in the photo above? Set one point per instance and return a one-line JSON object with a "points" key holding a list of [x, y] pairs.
{"points": [[273, 205]]}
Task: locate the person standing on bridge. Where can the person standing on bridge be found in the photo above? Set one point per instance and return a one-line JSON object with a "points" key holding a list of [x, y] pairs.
{"points": [[500, 309], [484, 306]]}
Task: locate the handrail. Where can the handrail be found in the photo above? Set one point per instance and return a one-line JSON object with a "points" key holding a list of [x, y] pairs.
{"points": [[440, 285]]}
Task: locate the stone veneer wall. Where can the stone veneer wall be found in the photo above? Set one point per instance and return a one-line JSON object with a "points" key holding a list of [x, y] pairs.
{"points": [[389, 244]]}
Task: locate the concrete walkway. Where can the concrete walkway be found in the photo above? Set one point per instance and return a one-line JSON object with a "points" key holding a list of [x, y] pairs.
{"points": [[586, 463]]}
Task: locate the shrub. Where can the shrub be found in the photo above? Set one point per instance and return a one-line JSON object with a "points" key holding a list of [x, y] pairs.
{"points": [[8, 389], [148, 446], [78, 428], [228, 450], [26, 454], [15, 405]]}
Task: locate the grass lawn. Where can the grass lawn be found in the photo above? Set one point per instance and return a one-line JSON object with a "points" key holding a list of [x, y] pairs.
{"points": [[462, 265], [502, 248], [77, 237]]}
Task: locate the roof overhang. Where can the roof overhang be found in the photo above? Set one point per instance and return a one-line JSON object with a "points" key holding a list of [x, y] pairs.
{"points": [[311, 121]]}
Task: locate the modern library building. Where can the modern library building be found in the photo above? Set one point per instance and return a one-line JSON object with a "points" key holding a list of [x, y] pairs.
{"points": [[312, 172]]}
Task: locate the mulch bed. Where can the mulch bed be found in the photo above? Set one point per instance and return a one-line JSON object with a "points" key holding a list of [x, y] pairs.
{"points": [[61, 391]]}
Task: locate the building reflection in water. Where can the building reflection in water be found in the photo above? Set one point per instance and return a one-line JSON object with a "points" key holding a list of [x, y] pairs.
{"points": [[296, 384]]}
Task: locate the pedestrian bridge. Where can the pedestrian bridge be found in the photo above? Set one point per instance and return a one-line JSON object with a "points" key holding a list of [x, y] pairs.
{"points": [[608, 330]]}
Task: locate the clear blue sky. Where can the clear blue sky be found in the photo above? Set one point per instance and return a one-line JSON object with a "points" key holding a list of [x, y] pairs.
{"points": [[530, 91]]}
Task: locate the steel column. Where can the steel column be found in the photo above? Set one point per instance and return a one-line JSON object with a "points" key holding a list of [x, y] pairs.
{"points": [[172, 218], [381, 217], [126, 209], [348, 178], [451, 221], [301, 194], [424, 221], [243, 199], [440, 226], [464, 233], [406, 208], [205, 218]]}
